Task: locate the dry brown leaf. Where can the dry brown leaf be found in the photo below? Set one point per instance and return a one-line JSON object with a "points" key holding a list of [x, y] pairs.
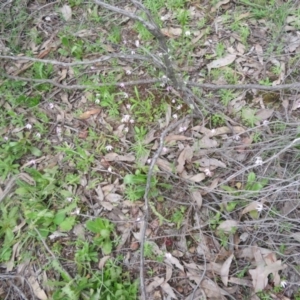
{"points": [[197, 198], [261, 273], [89, 113], [264, 114], [107, 205], [185, 155], [250, 207], [197, 178], [208, 162], [221, 62], [38, 292], [103, 261], [113, 197], [296, 236], [211, 289], [118, 157], [205, 143], [240, 281], [174, 261], [174, 137], [165, 165], [168, 289], [225, 270], [227, 226], [157, 281], [171, 32], [66, 11], [260, 53]]}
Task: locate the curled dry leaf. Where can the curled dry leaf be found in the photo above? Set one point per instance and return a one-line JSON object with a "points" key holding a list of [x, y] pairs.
{"points": [[117, 157], [197, 178], [38, 292], [264, 114], [103, 261], [157, 281], [205, 143], [168, 289], [171, 32], [66, 11], [174, 261], [207, 162], [174, 137], [164, 165], [227, 226], [197, 198], [89, 113], [225, 270], [221, 62], [251, 207], [296, 236], [185, 155]]}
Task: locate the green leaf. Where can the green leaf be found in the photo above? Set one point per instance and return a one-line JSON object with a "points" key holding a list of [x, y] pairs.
{"points": [[59, 218], [107, 247], [35, 151], [98, 224], [105, 233], [251, 178], [67, 224]]}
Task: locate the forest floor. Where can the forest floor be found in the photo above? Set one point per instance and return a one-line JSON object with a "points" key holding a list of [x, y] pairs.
{"points": [[111, 143]]}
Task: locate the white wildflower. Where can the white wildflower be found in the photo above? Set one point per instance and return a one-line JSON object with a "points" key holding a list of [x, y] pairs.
{"points": [[137, 43], [128, 106], [128, 72], [265, 123], [182, 128], [109, 169], [38, 135], [31, 162], [5, 138], [213, 131], [131, 121], [132, 52], [28, 126], [126, 129], [109, 147], [236, 137], [179, 107], [124, 42], [125, 95], [283, 283], [51, 105], [69, 199], [122, 85], [125, 119], [187, 33], [259, 207], [258, 161], [165, 149], [207, 172], [175, 116], [97, 101], [173, 101], [149, 161]]}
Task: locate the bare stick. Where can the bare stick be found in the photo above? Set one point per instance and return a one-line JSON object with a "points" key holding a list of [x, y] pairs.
{"points": [[146, 195]]}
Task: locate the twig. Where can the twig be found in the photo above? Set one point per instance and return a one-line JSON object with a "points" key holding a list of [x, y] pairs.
{"points": [[146, 195], [76, 63], [82, 87]]}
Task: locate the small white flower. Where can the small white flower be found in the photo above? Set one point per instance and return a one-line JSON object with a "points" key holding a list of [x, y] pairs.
{"points": [[258, 161], [236, 137], [173, 101], [179, 107], [28, 126], [51, 105], [128, 72], [160, 54], [32, 162], [125, 119], [265, 123], [97, 101], [76, 211], [122, 85], [93, 68], [213, 131], [207, 172], [259, 207], [182, 129], [109, 169], [109, 147], [187, 33], [125, 95], [128, 106], [98, 95], [131, 121], [5, 138], [38, 135], [283, 283], [165, 149], [168, 88], [137, 43], [124, 42], [126, 129], [69, 199], [149, 161], [132, 52], [175, 116]]}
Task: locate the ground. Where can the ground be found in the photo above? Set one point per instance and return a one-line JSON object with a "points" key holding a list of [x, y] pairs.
{"points": [[170, 127]]}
